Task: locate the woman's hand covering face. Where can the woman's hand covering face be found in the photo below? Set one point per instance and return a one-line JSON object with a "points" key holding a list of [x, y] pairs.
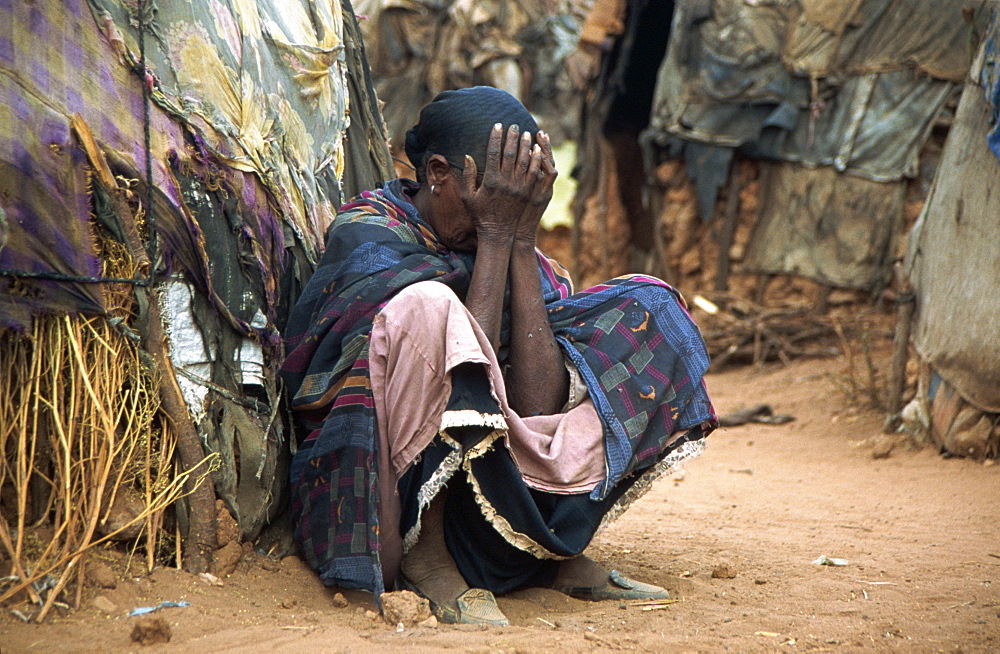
{"points": [[541, 193], [516, 186]]}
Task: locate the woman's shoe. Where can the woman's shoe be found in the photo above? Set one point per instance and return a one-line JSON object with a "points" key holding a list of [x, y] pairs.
{"points": [[618, 587], [475, 606]]}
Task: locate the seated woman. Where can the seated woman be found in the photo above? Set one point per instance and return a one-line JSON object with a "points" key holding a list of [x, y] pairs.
{"points": [[473, 421]]}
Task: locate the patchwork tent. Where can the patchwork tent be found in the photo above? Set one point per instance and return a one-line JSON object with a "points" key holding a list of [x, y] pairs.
{"points": [[953, 262], [167, 174], [835, 100], [418, 48]]}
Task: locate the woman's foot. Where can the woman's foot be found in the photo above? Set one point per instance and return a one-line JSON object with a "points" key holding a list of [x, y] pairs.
{"points": [[438, 582], [428, 565], [582, 578], [429, 570], [580, 571]]}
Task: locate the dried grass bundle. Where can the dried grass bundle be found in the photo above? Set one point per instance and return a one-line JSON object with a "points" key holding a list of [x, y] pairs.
{"points": [[80, 424]]}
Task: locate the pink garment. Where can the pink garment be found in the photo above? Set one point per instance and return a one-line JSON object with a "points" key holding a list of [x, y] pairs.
{"points": [[416, 340]]}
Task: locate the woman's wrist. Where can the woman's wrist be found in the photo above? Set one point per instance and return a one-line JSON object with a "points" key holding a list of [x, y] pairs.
{"points": [[496, 237], [525, 236], [524, 243]]}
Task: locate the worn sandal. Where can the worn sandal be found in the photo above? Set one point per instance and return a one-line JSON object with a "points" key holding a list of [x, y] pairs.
{"points": [[618, 587], [475, 606]]}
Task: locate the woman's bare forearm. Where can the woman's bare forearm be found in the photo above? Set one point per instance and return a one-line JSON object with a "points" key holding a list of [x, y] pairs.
{"points": [[486, 289], [537, 381], [506, 208]]}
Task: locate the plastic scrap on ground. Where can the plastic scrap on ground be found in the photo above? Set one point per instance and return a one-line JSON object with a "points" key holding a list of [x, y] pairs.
{"points": [[143, 610]]}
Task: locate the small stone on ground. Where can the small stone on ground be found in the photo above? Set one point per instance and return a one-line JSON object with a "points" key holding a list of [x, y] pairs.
{"points": [[882, 447], [724, 571], [102, 603], [151, 631], [101, 575], [405, 607], [227, 558]]}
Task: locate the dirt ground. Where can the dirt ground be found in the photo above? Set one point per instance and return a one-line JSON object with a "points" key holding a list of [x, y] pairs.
{"points": [[920, 533]]}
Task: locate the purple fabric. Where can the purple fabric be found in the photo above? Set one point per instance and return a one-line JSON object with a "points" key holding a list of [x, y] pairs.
{"points": [[6, 50], [64, 65]]}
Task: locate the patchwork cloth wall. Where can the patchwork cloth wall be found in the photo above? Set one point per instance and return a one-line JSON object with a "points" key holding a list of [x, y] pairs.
{"points": [[854, 86], [419, 48], [953, 260], [247, 109]]}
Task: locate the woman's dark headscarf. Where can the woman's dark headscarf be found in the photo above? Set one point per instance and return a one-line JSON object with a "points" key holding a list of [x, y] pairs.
{"points": [[457, 123]]}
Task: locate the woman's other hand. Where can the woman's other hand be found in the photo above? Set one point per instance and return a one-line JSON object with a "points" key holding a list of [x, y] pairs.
{"points": [[537, 381], [541, 168]]}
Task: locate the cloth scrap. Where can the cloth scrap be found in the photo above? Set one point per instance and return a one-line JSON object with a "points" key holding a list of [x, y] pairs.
{"points": [[761, 413]]}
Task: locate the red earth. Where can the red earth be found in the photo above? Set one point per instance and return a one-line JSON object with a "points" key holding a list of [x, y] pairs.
{"points": [[920, 534]]}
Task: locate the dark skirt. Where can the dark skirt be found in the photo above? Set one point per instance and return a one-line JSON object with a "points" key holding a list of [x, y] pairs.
{"points": [[561, 524]]}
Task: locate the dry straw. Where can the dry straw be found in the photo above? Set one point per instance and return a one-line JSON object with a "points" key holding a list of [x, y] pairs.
{"points": [[80, 423]]}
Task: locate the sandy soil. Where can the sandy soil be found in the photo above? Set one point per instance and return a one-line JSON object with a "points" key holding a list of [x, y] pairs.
{"points": [[920, 533]]}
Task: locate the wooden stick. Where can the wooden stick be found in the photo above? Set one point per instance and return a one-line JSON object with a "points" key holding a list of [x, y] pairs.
{"points": [[200, 540], [906, 303], [105, 459], [763, 281], [80, 579], [16, 566], [168, 496]]}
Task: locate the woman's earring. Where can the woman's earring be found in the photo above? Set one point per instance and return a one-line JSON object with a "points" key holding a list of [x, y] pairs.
{"points": [[433, 189]]}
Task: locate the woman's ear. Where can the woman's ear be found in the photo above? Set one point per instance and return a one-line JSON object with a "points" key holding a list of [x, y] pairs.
{"points": [[437, 169]]}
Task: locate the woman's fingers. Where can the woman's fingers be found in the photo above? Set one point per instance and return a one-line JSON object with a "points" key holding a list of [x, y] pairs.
{"points": [[515, 167], [510, 148], [469, 174], [524, 154], [546, 170], [549, 168], [512, 155], [546, 144], [535, 165], [493, 149]]}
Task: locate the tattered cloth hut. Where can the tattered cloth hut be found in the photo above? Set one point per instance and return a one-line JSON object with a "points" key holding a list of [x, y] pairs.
{"points": [[418, 48], [167, 174], [840, 96], [953, 263], [781, 138]]}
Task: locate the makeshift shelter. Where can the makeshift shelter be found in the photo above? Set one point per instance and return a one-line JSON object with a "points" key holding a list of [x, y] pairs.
{"points": [[953, 263], [167, 174], [832, 105], [419, 48], [612, 212], [800, 138], [771, 157]]}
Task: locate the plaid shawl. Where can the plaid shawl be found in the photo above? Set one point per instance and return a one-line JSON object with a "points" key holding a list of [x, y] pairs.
{"points": [[631, 338]]}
